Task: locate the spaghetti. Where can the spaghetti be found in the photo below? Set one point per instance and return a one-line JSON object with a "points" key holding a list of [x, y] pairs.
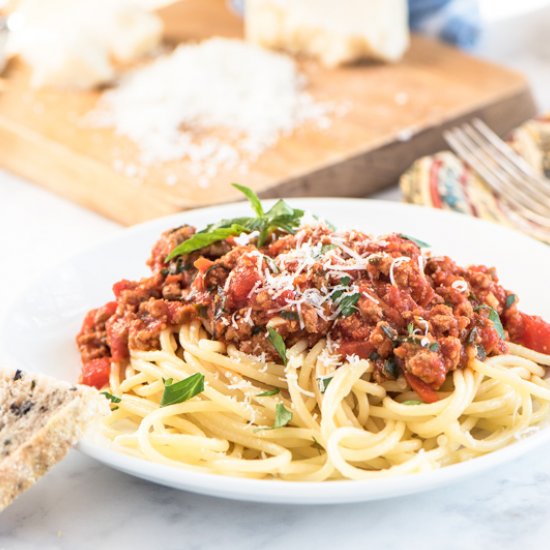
{"points": [[278, 349]]}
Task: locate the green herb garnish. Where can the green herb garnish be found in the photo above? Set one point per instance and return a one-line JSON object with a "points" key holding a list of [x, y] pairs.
{"points": [[412, 402], [280, 217], [278, 343], [317, 445], [511, 299], [434, 346], [417, 242], [390, 332], [289, 315], [269, 393], [282, 416], [323, 383], [494, 317], [200, 240], [252, 198], [112, 398], [390, 370], [183, 390], [347, 304], [481, 354]]}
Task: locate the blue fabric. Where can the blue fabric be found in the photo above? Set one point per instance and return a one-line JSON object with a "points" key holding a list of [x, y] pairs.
{"points": [[455, 21]]}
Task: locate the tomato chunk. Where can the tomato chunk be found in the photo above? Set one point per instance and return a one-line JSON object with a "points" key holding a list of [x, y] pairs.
{"points": [[96, 372], [425, 392], [535, 333], [202, 264], [360, 348]]}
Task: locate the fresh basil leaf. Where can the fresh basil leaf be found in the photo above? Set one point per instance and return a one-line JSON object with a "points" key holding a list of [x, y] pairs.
{"points": [[200, 240], [112, 398], [412, 402], [282, 416], [278, 343], [511, 299], [269, 393], [494, 317], [323, 383], [347, 304], [280, 208], [183, 390], [252, 197], [417, 242]]}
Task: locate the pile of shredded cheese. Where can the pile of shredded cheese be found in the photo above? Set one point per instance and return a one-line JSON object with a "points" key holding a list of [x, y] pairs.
{"points": [[219, 104]]}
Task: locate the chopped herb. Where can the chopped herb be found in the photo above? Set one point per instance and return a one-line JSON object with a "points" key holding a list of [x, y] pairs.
{"points": [[18, 375], [326, 248], [168, 381], [511, 299], [347, 304], [323, 383], [289, 315], [317, 445], [481, 354], [256, 330], [271, 264], [412, 402], [202, 310], [390, 370], [115, 408], [183, 390], [390, 332], [269, 393], [278, 343], [434, 346], [472, 337], [282, 416], [112, 398], [410, 330], [417, 242], [494, 317], [344, 281]]}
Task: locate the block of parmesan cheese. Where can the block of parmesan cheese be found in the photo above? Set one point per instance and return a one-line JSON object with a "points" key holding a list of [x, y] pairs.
{"points": [[335, 32]]}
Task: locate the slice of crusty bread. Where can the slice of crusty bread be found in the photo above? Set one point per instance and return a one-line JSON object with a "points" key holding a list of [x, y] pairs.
{"points": [[40, 419]]}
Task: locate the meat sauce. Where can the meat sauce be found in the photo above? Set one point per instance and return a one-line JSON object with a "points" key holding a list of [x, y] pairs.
{"points": [[381, 299]]}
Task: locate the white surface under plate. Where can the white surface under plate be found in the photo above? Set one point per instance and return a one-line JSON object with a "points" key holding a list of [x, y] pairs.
{"points": [[40, 326]]}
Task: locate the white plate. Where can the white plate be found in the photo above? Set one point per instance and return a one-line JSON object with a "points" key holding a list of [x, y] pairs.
{"points": [[39, 329]]}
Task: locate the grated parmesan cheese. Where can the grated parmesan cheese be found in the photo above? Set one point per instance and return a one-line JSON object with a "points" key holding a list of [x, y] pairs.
{"points": [[219, 104]]}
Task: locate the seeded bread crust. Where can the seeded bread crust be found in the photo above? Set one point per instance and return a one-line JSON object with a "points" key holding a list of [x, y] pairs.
{"points": [[40, 420]]}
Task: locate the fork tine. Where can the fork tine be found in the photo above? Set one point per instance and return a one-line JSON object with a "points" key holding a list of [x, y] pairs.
{"points": [[469, 152], [523, 194], [512, 159]]}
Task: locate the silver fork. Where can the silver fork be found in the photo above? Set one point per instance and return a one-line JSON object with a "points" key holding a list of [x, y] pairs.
{"points": [[524, 195]]}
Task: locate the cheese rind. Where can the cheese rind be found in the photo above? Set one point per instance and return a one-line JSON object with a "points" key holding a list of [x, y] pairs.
{"points": [[336, 33]]}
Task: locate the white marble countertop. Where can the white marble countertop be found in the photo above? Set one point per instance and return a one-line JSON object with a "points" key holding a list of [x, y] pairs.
{"points": [[82, 504]]}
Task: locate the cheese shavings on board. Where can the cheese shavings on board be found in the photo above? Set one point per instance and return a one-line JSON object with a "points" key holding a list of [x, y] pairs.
{"points": [[219, 104]]}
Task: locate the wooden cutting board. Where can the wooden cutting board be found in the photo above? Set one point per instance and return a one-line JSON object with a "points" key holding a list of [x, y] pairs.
{"points": [[42, 136]]}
